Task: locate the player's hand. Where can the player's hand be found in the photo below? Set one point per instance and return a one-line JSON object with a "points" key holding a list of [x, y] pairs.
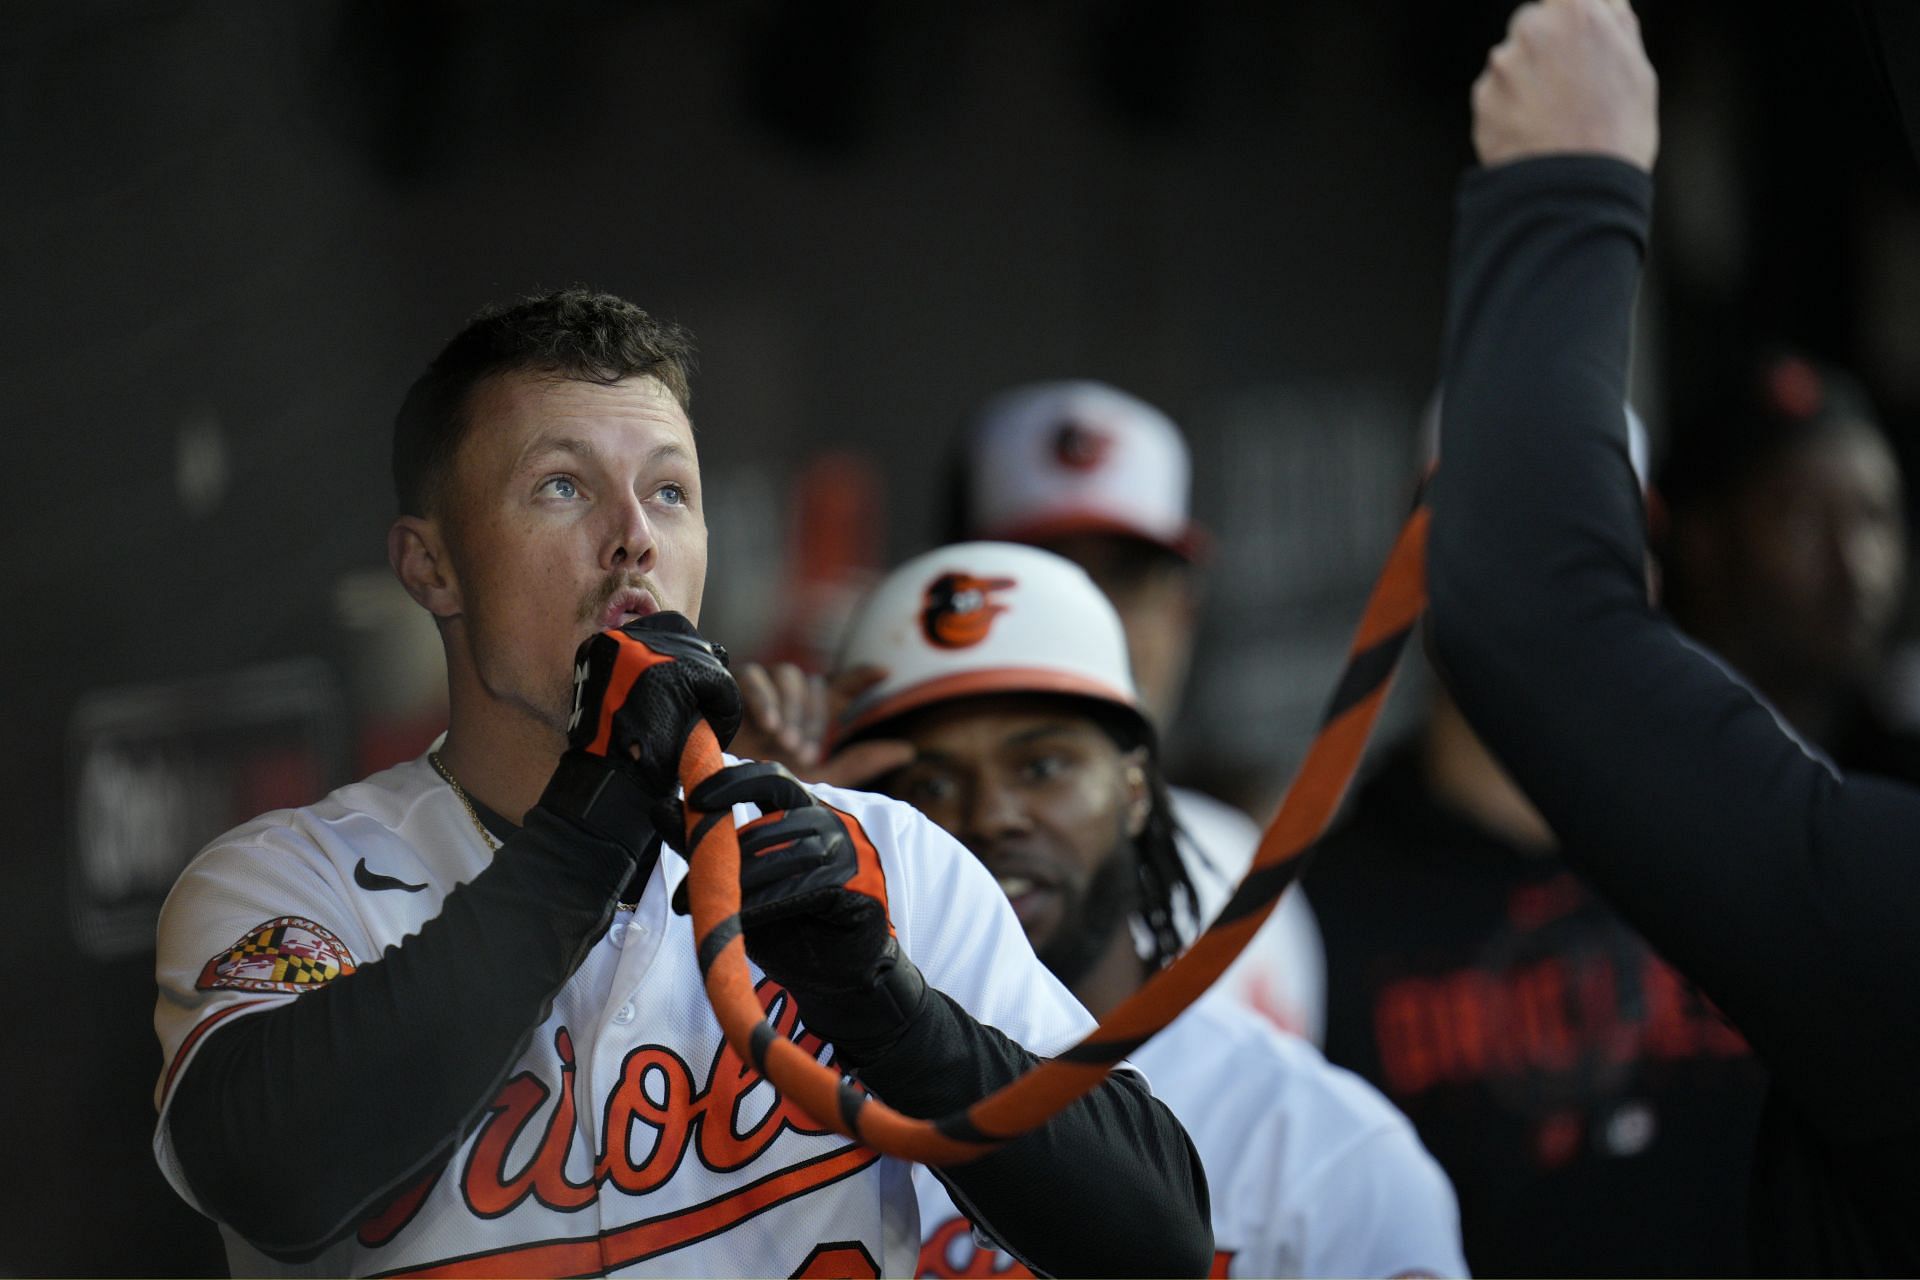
{"points": [[787, 713], [1571, 76], [813, 905], [638, 692]]}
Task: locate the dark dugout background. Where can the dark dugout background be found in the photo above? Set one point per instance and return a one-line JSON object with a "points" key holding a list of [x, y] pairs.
{"points": [[233, 233]]}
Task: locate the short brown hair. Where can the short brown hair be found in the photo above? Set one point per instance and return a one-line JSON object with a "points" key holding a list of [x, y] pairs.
{"points": [[570, 333]]}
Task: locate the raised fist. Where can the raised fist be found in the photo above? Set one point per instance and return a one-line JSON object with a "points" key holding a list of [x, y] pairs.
{"points": [[639, 691], [1571, 77]]}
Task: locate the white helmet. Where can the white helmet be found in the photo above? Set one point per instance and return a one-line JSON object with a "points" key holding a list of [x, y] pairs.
{"points": [[984, 617]]}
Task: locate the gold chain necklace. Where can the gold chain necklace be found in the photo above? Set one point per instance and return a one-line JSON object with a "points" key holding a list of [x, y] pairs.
{"points": [[486, 836], [466, 802]]}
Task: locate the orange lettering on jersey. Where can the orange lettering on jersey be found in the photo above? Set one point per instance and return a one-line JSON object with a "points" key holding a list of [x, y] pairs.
{"points": [[844, 1260], [489, 1190], [644, 1141]]}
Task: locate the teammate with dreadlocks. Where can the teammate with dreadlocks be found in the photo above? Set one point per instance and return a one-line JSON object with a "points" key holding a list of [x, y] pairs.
{"points": [[1006, 669]]}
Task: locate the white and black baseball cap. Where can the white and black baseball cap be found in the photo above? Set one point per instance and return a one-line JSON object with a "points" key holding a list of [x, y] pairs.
{"points": [[983, 618], [1059, 458]]}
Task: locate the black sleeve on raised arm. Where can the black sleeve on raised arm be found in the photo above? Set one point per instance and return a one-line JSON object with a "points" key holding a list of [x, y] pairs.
{"points": [[376, 1078], [1785, 890], [1111, 1186]]}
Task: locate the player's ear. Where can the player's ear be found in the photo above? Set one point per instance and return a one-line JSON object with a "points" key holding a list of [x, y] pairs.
{"points": [[1133, 772], [417, 550]]}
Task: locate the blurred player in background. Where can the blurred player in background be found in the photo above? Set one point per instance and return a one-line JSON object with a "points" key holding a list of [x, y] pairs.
{"points": [[1561, 1072], [1786, 552], [1563, 1075], [1784, 887], [1007, 673], [1103, 478]]}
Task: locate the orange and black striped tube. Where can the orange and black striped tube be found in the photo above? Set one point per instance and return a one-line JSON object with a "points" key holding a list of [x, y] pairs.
{"points": [[713, 895]]}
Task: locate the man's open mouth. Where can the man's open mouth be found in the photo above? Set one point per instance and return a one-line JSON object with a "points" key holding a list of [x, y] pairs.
{"points": [[627, 604]]}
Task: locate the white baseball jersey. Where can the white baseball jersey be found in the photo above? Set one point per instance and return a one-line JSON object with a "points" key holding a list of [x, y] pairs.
{"points": [[1311, 1171], [1282, 974], [628, 1140]]}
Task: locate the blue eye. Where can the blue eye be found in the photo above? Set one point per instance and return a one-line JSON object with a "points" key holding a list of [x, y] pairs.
{"points": [[673, 495], [563, 486]]}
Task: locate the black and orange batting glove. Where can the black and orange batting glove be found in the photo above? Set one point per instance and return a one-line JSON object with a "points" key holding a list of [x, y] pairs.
{"points": [[813, 905], [638, 692]]}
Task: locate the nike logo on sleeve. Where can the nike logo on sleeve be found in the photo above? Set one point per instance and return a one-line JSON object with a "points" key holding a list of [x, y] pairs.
{"points": [[374, 881]]}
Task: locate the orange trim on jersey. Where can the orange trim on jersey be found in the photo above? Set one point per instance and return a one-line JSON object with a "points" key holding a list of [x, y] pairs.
{"points": [[633, 659], [193, 1038], [967, 684], [624, 1246]]}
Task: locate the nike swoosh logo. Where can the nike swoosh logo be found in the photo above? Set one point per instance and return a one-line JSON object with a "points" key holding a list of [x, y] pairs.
{"points": [[375, 881]]}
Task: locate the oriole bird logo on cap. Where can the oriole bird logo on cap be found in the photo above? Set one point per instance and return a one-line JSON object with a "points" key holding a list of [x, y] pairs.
{"points": [[1078, 447], [960, 609]]}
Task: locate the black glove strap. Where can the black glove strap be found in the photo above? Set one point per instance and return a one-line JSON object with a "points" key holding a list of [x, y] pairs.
{"points": [[862, 1024], [601, 798]]}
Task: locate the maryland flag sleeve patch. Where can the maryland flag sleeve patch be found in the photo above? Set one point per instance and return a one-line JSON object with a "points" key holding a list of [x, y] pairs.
{"points": [[288, 954]]}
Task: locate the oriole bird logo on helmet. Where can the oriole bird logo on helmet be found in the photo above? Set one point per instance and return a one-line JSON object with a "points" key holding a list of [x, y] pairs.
{"points": [[959, 609]]}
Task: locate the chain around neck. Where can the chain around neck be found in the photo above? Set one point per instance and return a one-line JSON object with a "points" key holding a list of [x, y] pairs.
{"points": [[466, 802]]}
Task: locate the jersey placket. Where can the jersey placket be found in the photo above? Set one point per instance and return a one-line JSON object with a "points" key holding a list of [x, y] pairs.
{"points": [[635, 936]]}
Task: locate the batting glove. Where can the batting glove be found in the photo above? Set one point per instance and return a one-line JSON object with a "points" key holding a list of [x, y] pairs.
{"points": [[813, 905], [638, 693]]}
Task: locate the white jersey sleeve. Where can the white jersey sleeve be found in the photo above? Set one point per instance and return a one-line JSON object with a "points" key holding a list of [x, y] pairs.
{"points": [[1393, 1213], [270, 911], [1314, 1173], [1282, 974]]}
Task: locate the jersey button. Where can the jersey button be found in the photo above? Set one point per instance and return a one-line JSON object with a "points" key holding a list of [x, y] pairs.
{"points": [[624, 1014]]}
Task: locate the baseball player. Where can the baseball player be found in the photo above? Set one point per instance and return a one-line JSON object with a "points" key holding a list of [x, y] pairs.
{"points": [[1786, 888], [446, 1021], [1102, 478], [1008, 674]]}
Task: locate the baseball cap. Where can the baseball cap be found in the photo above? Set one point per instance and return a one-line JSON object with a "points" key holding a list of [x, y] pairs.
{"points": [[980, 618], [1059, 458]]}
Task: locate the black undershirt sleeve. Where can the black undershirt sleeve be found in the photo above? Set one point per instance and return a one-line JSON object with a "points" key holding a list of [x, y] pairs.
{"points": [[1111, 1186], [376, 1077], [1785, 890]]}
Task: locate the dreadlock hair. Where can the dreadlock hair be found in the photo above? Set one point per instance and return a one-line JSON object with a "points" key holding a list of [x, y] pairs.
{"points": [[1165, 888]]}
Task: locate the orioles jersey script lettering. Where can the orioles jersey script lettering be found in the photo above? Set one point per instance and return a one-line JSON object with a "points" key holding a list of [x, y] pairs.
{"points": [[624, 1137], [643, 1142]]}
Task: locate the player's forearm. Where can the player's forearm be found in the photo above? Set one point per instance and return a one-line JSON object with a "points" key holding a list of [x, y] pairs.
{"points": [[1745, 861], [373, 1079], [1110, 1186]]}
